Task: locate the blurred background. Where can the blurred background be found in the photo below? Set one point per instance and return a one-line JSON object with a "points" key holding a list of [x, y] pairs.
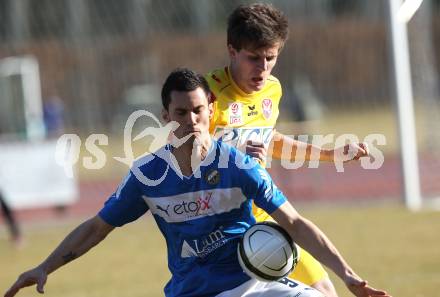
{"points": [[83, 66]]}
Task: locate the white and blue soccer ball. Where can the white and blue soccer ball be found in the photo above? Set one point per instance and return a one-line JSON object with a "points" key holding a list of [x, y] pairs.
{"points": [[267, 252]]}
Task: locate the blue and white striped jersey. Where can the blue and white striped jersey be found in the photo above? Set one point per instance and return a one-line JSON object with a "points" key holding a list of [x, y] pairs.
{"points": [[201, 217]]}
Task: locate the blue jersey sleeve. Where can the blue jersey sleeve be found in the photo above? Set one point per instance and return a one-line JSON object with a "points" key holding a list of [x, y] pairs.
{"points": [[125, 205], [258, 184]]}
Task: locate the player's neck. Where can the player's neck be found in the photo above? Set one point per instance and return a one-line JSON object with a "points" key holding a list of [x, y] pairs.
{"points": [[191, 154], [234, 77]]}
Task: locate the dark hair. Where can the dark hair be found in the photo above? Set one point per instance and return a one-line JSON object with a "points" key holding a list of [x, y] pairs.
{"points": [[257, 26], [183, 80]]}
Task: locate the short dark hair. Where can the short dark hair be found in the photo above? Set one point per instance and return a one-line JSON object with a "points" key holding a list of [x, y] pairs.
{"points": [[257, 26], [183, 80]]}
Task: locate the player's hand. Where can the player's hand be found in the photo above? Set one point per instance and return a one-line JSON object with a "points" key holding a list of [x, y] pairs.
{"points": [[360, 288], [351, 151], [257, 150], [35, 276]]}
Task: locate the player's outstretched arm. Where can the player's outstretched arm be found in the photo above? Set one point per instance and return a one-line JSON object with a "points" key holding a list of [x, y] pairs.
{"points": [[77, 243], [284, 147], [312, 239]]}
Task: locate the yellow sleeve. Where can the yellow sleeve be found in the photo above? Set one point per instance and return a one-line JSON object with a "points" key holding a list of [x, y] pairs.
{"points": [[308, 270]]}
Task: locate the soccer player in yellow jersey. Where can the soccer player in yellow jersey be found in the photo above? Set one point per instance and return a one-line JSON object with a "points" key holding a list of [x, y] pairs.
{"points": [[246, 100]]}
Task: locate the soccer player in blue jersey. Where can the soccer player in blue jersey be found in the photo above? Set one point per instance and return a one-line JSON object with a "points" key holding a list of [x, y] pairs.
{"points": [[197, 191]]}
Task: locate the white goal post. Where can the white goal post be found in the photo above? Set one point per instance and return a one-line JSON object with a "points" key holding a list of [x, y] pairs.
{"points": [[29, 103], [405, 106], [29, 174]]}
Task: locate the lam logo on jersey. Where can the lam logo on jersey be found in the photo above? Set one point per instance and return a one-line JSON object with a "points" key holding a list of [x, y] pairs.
{"points": [[266, 105], [203, 246], [235, 113]]}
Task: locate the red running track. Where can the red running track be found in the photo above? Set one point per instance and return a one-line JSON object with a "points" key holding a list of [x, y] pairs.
{"points": [[324, 184]]}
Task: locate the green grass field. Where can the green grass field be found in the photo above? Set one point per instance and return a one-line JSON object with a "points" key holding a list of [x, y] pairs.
{"points": [[391, 247]]}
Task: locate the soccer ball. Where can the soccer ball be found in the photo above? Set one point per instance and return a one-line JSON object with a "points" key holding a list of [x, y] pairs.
{"points": [[267, 252]]}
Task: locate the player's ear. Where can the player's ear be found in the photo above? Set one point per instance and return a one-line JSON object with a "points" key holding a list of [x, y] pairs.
{"points": [[232, 51], [165, 115]]}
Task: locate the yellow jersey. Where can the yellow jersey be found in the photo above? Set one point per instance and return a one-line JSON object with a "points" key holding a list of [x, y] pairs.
{"points": [[239, 117]]}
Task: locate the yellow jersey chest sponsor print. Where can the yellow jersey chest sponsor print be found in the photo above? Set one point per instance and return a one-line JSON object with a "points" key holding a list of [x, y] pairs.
{"points": [[237, 137]]}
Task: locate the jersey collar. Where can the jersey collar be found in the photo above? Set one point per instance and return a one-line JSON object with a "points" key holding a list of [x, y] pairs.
{"points": [[172, 162]]}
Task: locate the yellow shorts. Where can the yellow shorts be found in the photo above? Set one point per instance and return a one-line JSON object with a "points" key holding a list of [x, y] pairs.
{"points": [[308, 270]]}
